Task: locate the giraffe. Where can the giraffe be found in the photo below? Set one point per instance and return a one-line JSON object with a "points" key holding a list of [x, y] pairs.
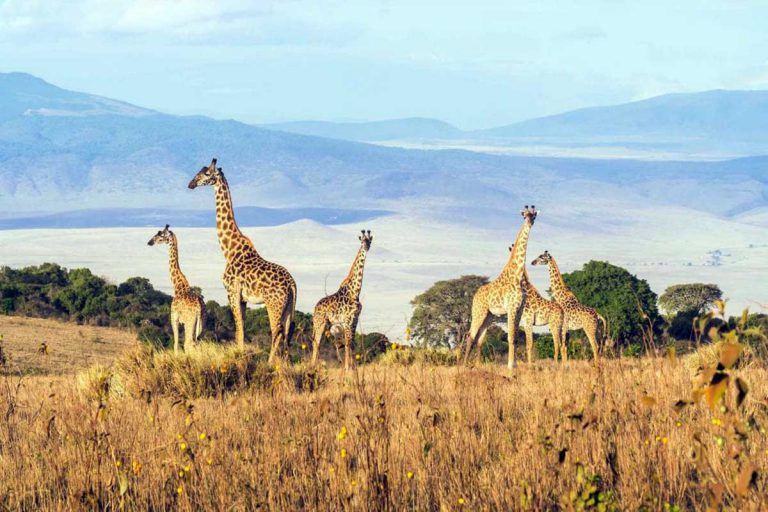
{"points": [[504, 295], [577, 315], [248, 277], [540, 311], [187, 307], [341, 310]]}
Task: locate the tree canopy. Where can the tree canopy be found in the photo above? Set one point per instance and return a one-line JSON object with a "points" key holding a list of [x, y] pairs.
{"points": [[619, 296], [689, 298], [442, 314]]}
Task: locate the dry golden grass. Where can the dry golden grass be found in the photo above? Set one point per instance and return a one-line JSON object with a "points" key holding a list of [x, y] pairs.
{"points": [[400, 438], [70, 347]]}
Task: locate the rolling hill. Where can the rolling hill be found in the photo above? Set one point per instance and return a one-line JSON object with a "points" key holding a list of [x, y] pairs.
{"points": [[62, 151]]}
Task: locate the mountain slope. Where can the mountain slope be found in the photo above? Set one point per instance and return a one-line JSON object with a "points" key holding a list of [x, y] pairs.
{"points": [[23, 94], [414, 128], [108, 154], [706, 115]]}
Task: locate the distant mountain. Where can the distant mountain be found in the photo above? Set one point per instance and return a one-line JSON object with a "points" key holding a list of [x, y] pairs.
{"points": [[414, 128], [719, 116], [64, 151], [22, 94]]}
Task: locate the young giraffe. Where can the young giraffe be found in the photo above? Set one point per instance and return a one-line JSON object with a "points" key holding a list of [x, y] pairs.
{"points": [[248, 277], [187, 307], [577, 315], [504, 295], [540, 311], [341, 310]]}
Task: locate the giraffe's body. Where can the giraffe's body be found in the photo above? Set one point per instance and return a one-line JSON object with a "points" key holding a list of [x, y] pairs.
{"points": [[540, 311], [504, 295], [247, 276], [340, 311], [187, 307], [577, 315]]}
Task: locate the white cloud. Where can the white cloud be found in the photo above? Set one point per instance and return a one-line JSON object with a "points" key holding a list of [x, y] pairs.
{"points": [[178, 21]]}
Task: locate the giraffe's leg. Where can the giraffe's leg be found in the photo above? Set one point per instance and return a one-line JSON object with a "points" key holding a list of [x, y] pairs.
{"points": [[529, 339], [175, 328], [347, 347], [287, 326], [319, 325], [556, 329], [235, 304], [349, 342], [591, 332], [481, 319], [564, 344], [513, 324], [275, 314], [200, 321], [189, 332]]}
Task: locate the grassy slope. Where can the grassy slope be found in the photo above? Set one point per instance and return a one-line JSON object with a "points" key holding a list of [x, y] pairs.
{"points": [[416, 438], [71, 347]]}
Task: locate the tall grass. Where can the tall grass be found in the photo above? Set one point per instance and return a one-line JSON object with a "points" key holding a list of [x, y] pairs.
{"points": [[625, 435]]}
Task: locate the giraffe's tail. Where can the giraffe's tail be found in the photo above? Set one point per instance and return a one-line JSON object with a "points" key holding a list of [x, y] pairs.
{"points": [[604, 337], [201, 319], [290, 328]]}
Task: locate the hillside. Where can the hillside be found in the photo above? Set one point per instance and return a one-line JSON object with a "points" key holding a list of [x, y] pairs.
{"points": [[99, 153], [71, 347], [726, 119]]}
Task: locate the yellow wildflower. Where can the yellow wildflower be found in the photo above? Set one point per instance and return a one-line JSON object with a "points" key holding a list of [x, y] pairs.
{"points": [[343, 453], [461, 501], [342, 433], [409, 475], [183, 446], [201, 436], [136, 468], [180, 489], [716, 422]]}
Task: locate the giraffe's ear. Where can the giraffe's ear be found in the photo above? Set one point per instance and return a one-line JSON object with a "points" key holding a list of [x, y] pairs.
{"points": [[219, 169]]}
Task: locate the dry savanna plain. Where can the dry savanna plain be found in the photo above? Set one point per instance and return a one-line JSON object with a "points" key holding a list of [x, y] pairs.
{"points": [[91, 420]]}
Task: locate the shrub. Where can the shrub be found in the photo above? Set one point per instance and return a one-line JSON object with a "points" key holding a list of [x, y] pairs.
{"points": [[209, 370], [405, 356]]}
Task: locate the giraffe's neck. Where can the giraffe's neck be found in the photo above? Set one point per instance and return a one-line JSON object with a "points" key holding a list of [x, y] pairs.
{"points": [[515, 268], [230, 236], [560, 291], [178, 278], [354, 280]]}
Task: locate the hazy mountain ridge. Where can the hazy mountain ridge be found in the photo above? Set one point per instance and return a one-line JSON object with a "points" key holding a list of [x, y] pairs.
{"points": [[120, 160]]}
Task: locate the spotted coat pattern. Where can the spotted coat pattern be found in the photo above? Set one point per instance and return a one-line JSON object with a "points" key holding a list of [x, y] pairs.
{"points": [[248, 277]]}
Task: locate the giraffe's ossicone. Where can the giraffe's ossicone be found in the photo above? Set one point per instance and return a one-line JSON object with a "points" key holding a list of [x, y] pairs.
{"points": [[248, 277], [187, 307], [339, 312]]}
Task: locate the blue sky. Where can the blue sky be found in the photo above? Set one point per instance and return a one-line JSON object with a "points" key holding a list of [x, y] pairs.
{"points": [[475, 63]]}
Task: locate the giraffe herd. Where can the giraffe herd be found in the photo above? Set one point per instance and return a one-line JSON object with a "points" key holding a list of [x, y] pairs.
{"points": [[248, 277]]}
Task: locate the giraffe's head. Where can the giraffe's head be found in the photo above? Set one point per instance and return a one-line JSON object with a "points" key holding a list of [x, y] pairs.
{"points": [[365, 238], [164, 236], [543, 259], [208, 175], [529, 214]]}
